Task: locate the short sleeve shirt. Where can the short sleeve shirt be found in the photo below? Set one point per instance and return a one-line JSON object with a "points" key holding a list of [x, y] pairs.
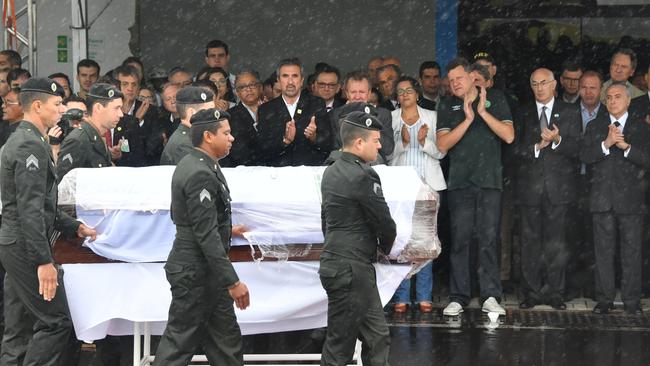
{"points": [[476, 159]]}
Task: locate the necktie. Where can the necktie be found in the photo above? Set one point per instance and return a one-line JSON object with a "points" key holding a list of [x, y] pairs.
{"points": [[109, 138], [543, 120], [617, 124]]}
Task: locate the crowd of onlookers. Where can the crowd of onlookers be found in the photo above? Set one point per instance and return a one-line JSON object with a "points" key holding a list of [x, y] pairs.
{"points": [[547, 181]]}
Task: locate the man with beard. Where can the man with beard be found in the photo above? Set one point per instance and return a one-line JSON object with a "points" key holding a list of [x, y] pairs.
{"points": [[290, 124]]}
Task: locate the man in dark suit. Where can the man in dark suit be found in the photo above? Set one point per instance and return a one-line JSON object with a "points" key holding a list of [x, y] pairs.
{"points": [[357, 89], [430, 81], [243, 120], [580, 277], [387, 76], [616, 150], [641, 104], [290, 124], [570, 80], [139, 133], [547, 149], [327, 84]]}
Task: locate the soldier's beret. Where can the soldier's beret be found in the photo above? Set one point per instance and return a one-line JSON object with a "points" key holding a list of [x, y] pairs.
{"points": [[210, 115], [482, 55], [104, 91], [43, 85], [363, 120], [193, 95], [358, 107]]}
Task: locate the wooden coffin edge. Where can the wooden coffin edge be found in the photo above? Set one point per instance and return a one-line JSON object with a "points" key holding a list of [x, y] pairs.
{"points": [[67, 251]]}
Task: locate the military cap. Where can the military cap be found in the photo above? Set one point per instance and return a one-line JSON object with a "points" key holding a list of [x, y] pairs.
{"points": [[104, 91], [363, 120], [482, 55], [210, 115], [193, 95], [358, 107], [43, 85]]}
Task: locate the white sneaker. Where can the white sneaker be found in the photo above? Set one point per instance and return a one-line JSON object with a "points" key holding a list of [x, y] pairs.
{"points": [[491, 305], [453, 309]]}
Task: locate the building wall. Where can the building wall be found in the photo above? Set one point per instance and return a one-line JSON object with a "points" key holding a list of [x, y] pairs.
{"points": [[108, 36], [345, 33]]}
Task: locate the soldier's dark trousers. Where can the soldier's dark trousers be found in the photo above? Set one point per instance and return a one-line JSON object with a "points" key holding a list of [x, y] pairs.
{"points": [[354, 311], [476, 209], [201, 314], [18, 328], [52, 324]]}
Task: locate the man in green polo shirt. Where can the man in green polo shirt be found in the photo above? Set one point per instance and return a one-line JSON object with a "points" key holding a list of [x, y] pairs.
{"points": [[472, 125]]}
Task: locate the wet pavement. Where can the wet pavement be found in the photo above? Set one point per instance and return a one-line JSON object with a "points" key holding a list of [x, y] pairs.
{"points": [[522, 338], [536, 337]]}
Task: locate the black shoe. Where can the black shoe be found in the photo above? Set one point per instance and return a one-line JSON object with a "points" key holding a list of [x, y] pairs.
{"points": [[603, 308], [557, 304], [633, 309], [527, 304]]}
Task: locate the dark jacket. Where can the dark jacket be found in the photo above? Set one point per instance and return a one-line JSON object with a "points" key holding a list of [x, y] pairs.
{"points": [[640, 106], [82, 148], [201, 212], [555, 170], [618, 183], [145, 143], [179, 145], [356, 219], [244, 149], [29, 196], [386, 136], [273, 117]]}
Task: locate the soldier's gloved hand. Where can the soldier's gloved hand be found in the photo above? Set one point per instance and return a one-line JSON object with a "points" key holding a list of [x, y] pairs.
{"points": [[239, 293], [47, 281]]}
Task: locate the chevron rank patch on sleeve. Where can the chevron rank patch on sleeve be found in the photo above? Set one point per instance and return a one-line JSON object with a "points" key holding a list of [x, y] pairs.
{"points": [[31, 163], [205, 195], [67, 157]]}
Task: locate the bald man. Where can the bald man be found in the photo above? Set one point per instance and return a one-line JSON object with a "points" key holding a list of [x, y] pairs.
{"points": [[547, 151]]}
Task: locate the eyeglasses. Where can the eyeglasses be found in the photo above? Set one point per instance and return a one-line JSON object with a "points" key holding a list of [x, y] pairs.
{"points": [[405, 91], [250, 86], [571, 80], [322, 85], [9, 102], [220, 81], [543, 83]]}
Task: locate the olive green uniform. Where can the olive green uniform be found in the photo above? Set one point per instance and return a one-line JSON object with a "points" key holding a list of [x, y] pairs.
{"points": [[356, 222], [177, 147], [83, 148], [29, 218], [198, 268]]}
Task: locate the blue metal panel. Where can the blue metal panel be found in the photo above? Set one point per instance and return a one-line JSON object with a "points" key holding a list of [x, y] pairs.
{"points": [[446, 31]]}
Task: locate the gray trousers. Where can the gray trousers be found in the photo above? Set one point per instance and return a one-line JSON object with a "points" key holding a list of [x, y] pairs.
{"points": [[354, 311], [201, 314], [51, 320]]}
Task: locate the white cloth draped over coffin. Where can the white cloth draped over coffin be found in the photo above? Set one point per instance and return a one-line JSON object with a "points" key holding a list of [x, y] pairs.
{"points": [[107, 298], [279, 206]]}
